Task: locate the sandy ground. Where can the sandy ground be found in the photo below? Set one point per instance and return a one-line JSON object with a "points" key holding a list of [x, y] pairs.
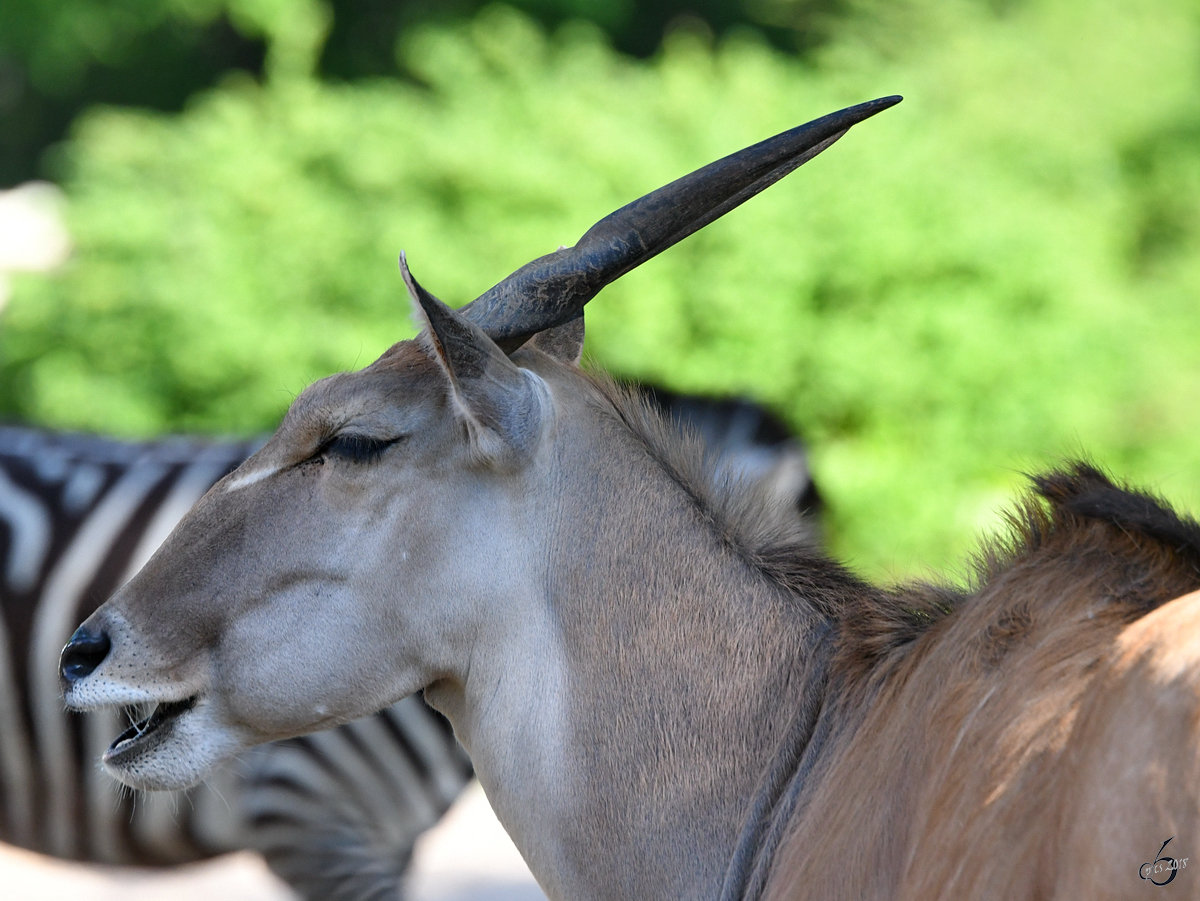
{"points": [[467, 857]]}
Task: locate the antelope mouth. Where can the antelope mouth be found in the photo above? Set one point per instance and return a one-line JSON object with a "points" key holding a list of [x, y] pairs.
{"points": [[148, 731]]}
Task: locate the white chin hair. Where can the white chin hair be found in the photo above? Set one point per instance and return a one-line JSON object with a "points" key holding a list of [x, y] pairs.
{"points": [[173, 754]]}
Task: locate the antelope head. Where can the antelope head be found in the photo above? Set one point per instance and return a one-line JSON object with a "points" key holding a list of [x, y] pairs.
{"points": [[357, 557]]}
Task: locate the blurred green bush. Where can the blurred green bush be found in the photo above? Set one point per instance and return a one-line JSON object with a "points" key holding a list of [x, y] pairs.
{"points": [[57, 59], [999, 272]]}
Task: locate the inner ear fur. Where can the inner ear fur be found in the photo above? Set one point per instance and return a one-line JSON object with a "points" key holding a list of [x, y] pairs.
{"points": [[501, 403]]}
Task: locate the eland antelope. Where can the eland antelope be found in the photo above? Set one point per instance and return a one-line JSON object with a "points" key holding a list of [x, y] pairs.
{"points": [[335, 814], [665, 690]]}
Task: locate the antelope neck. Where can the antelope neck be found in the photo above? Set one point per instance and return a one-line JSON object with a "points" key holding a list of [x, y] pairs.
{"points": [[606, 713]]}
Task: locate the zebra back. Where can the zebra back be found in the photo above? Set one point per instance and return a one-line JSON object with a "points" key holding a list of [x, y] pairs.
{"points": [[746, 439]]}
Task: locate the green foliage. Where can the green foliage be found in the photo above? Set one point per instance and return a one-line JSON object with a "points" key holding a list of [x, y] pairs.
{"points": [[57, 59], [997, 273]]}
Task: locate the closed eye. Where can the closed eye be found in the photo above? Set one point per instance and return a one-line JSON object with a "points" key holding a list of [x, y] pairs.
{"points": [[356, 448]]}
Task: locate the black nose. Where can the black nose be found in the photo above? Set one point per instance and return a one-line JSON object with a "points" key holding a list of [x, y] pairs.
{"points": [[84, 652]]}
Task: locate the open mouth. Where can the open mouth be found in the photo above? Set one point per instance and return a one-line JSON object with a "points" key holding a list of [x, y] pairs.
{"points": [[144, 729]]}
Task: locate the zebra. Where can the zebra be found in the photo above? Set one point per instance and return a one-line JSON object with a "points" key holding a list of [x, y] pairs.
{"points": [[336, 814]]}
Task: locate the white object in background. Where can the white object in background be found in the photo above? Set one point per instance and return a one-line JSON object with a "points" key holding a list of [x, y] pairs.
{"points": [[33, 237]]}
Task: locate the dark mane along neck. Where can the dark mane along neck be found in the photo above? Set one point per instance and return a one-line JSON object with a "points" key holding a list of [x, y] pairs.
{"points": [[1082, 536], [1076, 539]]}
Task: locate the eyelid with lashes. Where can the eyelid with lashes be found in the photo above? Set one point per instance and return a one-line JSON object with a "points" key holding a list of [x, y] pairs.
{"points": [[356, 448]]}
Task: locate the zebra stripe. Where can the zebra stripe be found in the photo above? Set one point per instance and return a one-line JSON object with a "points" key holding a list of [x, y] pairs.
{"points": [[335, 815], [16, 765], [57, 617], [30, 525]]}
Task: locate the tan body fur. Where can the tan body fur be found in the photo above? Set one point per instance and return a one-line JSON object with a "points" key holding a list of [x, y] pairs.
{"points": [[1040, 742]]}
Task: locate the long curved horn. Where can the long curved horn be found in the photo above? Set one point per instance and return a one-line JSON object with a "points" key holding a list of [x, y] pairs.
{"points": [[553, 289]]}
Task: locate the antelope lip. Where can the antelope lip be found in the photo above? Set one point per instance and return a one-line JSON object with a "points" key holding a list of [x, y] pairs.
{"points": [[164, 714]]}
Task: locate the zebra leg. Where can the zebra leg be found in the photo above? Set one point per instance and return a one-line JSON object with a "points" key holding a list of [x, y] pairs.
{"points": [[336, 814]]}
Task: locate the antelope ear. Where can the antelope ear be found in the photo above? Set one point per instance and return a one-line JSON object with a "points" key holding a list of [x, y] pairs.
{"points": [[563, 342], [501, 403]]}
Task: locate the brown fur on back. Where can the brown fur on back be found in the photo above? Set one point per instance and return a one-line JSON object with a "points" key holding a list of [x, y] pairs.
{"points": [[1013, 747]]}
